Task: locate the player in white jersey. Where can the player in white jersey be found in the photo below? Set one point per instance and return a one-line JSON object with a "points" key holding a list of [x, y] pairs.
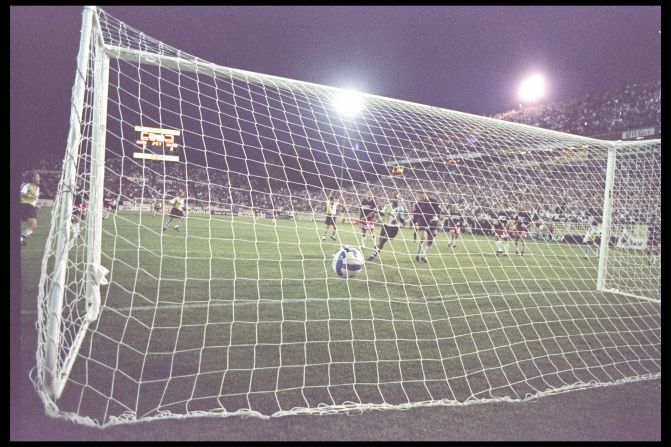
{"points": [[177, 211], [590, 239], [30, 193], [393, 217]]}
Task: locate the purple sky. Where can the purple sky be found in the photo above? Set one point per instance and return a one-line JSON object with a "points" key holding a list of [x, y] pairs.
{"points": [[470, 59]]}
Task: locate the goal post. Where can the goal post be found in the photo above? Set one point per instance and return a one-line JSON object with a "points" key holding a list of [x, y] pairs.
{"points": [[630, 255], [606, 220], [53, 369], [211, 291]]}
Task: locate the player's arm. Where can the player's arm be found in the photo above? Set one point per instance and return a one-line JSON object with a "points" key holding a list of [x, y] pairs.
{"points": [[402, 216]]}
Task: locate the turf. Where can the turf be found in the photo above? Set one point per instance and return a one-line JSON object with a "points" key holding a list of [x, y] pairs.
{"points": [[230, 314]]}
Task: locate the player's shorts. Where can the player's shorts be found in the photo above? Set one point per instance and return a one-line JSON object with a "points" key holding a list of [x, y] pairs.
{"points": [[367, 224], [176, 213], [330, 220], [454, 230], [521, 234], [421, 223], [28, 211], [501, 234], [389, 232]]}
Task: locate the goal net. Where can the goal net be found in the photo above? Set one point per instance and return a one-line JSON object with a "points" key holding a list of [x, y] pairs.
{"points": [[188, 268]]}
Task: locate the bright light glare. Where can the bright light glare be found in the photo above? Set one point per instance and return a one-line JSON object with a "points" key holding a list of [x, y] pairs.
{"points": [[348, 102], [532, 88]]}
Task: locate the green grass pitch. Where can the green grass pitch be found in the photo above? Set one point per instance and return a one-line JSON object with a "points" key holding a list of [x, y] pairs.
{"points": [[230, 314]]}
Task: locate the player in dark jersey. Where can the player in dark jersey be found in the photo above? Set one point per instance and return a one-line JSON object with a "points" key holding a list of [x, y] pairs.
{"points": [[653, 247], [367, 218], [80, 205], [455, 225], [425, 220], [521, 231]]}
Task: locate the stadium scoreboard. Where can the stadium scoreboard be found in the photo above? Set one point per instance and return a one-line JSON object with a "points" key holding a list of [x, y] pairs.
{"points": [[157, 144]]}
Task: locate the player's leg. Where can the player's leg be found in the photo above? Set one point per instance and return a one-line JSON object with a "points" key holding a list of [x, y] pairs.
{"points": [[326, 229], [506, 245], [422, 246], [31, 225], [499, 245], [430, 236], [380, 243], [167, 224]]}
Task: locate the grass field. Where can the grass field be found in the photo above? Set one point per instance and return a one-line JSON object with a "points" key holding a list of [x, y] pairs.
{"points": [[228, 314]]}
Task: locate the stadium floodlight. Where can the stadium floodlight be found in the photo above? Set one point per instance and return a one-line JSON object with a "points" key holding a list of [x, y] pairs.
{"points": [[348, 102], [532, 89], [238, 312]]}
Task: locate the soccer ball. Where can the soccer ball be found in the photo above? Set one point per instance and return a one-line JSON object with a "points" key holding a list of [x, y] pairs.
{"points": [[347, 262]]}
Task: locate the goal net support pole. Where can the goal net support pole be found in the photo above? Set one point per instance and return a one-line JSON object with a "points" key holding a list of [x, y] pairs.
{"points": [[606, 220], [56, 367]]}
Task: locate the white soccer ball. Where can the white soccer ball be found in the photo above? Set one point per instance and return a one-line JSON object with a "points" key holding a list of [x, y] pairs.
{"points": [[347, 262]]}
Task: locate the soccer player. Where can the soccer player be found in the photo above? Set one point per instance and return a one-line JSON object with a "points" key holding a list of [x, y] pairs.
{"points": [[521, 232], [331, 211], [109, 206], [157, 209], [367, 219], [455, 224], [30, 193], [654, 245], [501, 235], [624, 241], [425, 219], [590, 239], [80, 205], [393, 217], [177, 211]]}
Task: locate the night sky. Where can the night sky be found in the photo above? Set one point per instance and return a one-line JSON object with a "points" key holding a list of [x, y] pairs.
{"points": [[470, 59]]}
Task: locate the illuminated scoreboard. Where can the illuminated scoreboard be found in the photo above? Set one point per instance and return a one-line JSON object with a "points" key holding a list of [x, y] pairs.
{"points": [[157, 144]]}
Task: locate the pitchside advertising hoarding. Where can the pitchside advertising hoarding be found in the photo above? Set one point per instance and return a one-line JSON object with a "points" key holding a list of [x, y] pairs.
{"points": [[638, 133], [622, 236]]}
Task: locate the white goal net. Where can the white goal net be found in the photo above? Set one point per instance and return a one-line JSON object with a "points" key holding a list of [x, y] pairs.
{"points": [[188, 269]]}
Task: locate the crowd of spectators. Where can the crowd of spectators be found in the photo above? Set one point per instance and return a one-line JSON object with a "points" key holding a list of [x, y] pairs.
{"points": [[601, 115], [473, 189]]}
